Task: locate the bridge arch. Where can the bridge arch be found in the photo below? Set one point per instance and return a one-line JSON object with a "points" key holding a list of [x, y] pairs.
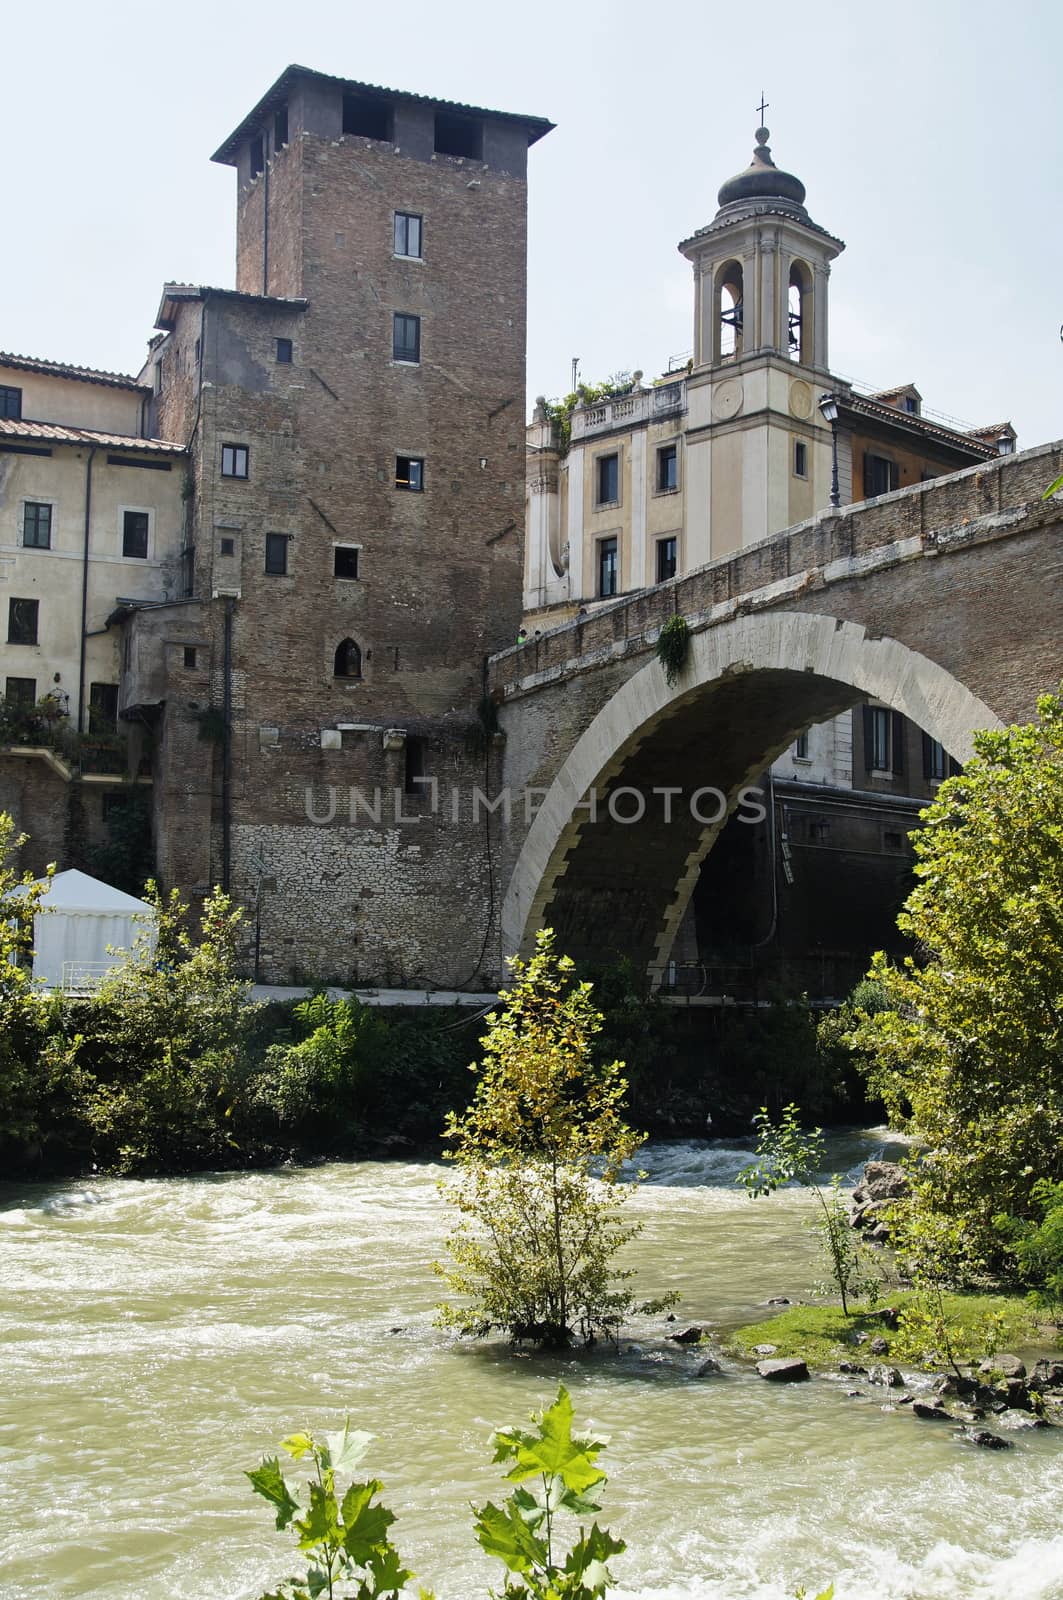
{"points": [[749, 686]]}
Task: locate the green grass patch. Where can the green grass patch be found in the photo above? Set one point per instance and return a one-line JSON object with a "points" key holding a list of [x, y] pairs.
{"points": [[823, 1335]]}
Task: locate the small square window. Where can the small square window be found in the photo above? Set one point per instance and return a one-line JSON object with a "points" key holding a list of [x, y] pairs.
{"points": [[22, 619], [667, 468], [408, 235], [881, 476], [818, 831], [666, 559], [277, 554], [608, 567], [892, 840], [227, 547], [284, 351], [409, 473], [135, 534], [345, 561], [36, 525], [10, 402], [406, 337], [190, 658], [607, 481], [234, 460], [21, 692], [800, 459]]}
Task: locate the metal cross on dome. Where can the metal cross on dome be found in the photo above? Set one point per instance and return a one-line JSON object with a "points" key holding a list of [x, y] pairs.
{"points": [[764, 104]]}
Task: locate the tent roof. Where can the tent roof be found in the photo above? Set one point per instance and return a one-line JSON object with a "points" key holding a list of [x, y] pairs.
{"points": [[76, 891]]}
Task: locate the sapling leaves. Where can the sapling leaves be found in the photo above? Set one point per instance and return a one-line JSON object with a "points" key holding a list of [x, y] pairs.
{"points": [[268, 1481]]}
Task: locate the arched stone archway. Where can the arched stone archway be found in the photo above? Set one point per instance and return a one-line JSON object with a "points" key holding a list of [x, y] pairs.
{"points": [[748, 687]]}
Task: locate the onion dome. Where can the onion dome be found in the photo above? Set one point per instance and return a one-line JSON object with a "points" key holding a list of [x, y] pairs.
{"points": [[762, 180]]}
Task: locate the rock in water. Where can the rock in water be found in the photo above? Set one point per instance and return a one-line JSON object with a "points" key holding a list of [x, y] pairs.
{"points": [[784, 1370], [930, 1413], [1007, 1366], [984, 1439], [707, 1368], [889, 1377], [688, 1336], [1047, 1375]]}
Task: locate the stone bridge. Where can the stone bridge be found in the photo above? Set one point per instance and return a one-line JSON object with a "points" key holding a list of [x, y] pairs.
{"points": [[943, 601]]}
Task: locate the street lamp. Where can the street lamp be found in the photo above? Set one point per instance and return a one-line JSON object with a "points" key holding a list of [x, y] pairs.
{"points": [[828, 407]]}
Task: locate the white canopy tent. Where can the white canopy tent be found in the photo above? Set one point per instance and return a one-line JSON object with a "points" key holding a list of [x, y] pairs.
{"points": [[85, 929]]}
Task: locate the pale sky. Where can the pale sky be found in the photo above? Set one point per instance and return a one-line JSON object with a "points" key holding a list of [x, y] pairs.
{"points": [[928, 136]]}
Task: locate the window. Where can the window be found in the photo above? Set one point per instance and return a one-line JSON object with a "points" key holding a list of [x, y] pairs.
{"points": [[348, 660], [284, 351], [883, 740], [937, 763], [103, 707], [345, 561], [280, 128], [892, 839], [257, 163], [608, 567], [21, 692], [667, 468], [459, 136], [367, 117], [10, 402], [409, 473], [408, 234], [818, 830], [800, 459], [911, 405], [277, 554], [157, 375], [234, 460], [607, 481], [227, 547], [666, 559], [190, 658], [36, 525], [188, 573], [22, 616], [880, 475], [414, 766], [801, 747], [406, 337], [135, 534]]}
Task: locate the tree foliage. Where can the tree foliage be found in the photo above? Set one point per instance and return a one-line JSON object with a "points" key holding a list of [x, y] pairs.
{"points": [[787, 1153], [22, 1011], [969, 1052], [540, 1152]]}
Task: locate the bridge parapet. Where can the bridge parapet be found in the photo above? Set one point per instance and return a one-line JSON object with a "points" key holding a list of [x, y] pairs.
{"points": [[990, 501]]}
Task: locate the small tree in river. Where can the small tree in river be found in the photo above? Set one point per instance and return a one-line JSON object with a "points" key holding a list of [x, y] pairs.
{"points": [[540, 1153], [787, 1154]]}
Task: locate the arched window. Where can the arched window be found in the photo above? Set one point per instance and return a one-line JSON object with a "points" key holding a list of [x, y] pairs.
{"points": [[729, 314], [348, 663], [799, 314]]}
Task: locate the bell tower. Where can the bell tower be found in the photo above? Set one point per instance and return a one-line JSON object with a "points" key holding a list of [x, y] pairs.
{"points": [[756, 440]]}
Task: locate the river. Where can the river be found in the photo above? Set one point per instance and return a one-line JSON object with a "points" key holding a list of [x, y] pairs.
{"points": [[156, 1338]]}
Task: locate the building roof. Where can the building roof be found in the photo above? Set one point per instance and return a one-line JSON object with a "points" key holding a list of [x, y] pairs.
{"points": [[62, 369], [762, 179], [876, 410], [174, 293], [275, 97], [57, 433]]}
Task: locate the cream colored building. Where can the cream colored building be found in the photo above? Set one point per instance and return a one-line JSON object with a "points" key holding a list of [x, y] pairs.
{"points": [[665, 477], [91, 513]]}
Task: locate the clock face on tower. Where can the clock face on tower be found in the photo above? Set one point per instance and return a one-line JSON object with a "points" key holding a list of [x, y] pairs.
{"points": [[800, 399]]}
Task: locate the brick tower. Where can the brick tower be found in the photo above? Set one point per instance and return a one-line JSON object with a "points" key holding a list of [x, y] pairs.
{"points": [[354, 546]]}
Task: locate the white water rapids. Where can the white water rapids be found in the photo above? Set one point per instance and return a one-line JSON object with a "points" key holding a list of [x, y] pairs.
{"points": [[156, 1338]]}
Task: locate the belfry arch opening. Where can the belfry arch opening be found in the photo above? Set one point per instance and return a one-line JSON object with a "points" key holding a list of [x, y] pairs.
{"points": [[729, 312], [799, 314]]}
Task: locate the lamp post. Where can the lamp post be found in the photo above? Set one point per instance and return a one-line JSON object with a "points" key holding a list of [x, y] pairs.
{"points": [[828, 407]]}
